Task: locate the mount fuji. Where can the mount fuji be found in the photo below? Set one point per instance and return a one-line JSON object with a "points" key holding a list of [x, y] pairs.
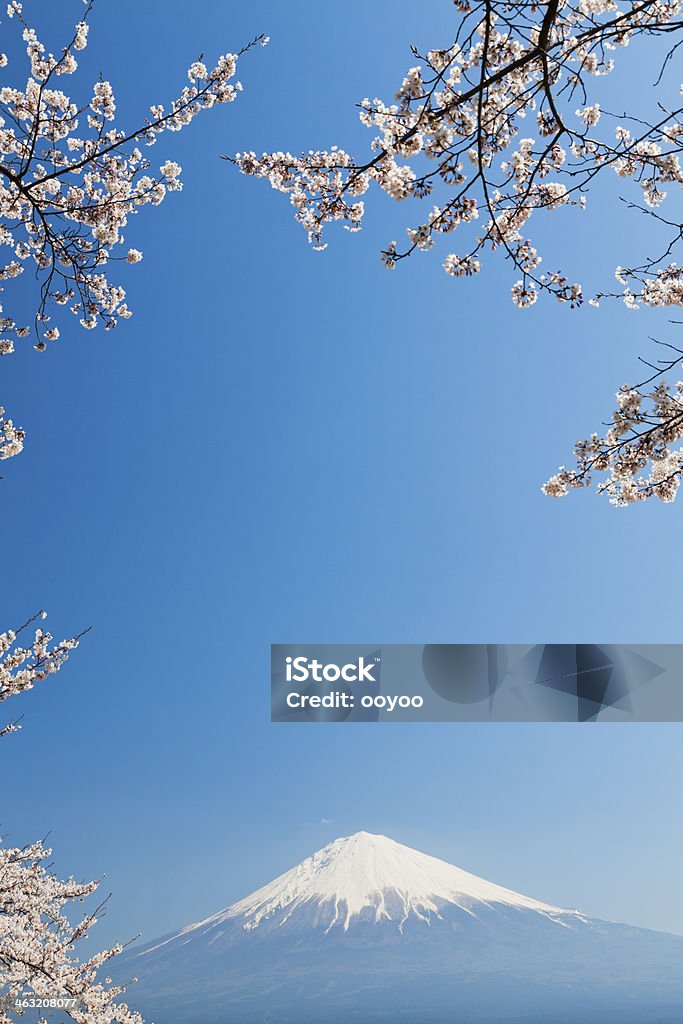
{"points": [[367, 930]]}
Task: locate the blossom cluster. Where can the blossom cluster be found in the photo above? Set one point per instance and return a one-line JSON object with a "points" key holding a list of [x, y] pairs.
{"points": [[70, 180], [21, 667], [454, 134], [651, 285], [37, 941], [11, 437], [641, 454]]}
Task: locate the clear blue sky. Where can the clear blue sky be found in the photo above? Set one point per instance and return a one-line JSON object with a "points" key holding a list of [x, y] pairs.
{"points": [[286, 446]]}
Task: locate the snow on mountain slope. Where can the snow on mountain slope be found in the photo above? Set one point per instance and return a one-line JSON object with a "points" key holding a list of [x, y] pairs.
{"points": [[373, 877], [370, 871]]}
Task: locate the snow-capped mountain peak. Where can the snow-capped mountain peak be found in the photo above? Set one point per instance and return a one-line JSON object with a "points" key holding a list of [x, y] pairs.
{"points": [[369, 878], [365, 873]]}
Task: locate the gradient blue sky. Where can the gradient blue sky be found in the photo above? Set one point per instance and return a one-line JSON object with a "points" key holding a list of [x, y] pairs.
{"points": [[287, 446]]}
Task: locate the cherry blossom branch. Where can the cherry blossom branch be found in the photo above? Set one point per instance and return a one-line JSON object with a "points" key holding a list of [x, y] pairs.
{"points": [[634, 457], [22, 667], [70, 181], [453, 142]]}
